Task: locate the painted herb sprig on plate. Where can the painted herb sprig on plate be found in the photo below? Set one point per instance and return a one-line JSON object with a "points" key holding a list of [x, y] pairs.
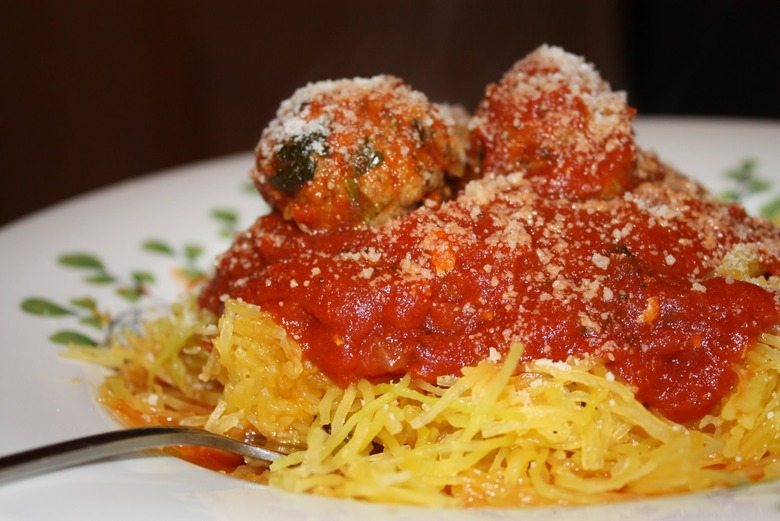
{"points": [[746, 182], [85, 309], [134, 288]]}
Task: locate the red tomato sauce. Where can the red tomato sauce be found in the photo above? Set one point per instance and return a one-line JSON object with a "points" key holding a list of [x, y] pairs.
{"points": [[631, 280], [567, 239]]}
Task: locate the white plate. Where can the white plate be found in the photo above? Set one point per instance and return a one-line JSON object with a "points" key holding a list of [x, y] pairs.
{"points": [[44, 398]]}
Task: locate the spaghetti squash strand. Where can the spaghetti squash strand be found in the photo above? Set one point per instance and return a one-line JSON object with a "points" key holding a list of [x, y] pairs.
{"points": [[506, 433]]}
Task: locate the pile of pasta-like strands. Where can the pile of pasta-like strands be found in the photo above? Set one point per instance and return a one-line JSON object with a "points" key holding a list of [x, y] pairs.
{"points": [[505, 433]]}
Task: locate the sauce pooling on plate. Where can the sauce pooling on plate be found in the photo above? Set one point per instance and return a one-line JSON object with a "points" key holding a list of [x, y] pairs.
{"points": [[566, 238]]}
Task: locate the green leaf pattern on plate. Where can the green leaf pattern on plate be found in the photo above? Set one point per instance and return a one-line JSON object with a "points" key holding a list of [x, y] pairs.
{"points": [[133, 288], [189, 254], [746, 182], [228, 220], [72, 337], [44, 308], [157, 246]]}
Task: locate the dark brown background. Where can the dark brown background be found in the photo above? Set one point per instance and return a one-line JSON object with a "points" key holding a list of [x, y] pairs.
{"points": [[93, 92]]}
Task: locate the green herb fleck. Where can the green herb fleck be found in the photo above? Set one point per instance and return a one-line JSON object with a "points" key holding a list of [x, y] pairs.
{"points": [[296, 164], [367, 159], [422, 132]]}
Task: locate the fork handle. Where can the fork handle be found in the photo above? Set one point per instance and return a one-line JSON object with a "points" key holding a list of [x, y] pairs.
{"points": [[113, 443]]}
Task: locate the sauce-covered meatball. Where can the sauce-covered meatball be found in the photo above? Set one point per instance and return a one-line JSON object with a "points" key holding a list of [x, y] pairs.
{"points": [[553, 117], [355, 153]]}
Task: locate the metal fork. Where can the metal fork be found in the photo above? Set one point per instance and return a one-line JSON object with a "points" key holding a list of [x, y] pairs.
{"points": [[114, 443]]}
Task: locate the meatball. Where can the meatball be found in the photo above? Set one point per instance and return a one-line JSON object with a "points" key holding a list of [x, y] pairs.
{"points": [[354, 153], [553, 118]]}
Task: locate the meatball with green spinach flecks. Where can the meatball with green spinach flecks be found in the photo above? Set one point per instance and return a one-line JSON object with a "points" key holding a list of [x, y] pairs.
{"points": [[350, 154]]}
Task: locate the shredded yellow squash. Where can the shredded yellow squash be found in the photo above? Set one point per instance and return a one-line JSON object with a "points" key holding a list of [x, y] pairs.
{"points": [[505, 433]]}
